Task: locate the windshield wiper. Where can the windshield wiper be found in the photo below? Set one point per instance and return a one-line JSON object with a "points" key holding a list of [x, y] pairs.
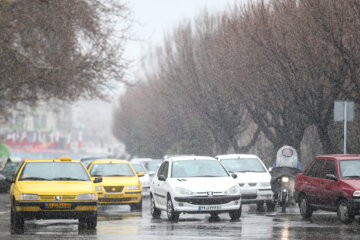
{"points": [[354, 176], [68, 179], [35, 178]]}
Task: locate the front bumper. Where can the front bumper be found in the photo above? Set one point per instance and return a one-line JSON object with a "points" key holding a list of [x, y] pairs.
{"points": [[261, 195], [206, 204], [354, 204], [119, 198], [40, 210]]}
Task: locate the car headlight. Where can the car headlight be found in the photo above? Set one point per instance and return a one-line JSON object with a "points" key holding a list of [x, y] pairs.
{"points": [[285, 179], [87, 196], [233, 190], [98, 188], [183, 191], [25, 196], [264, 184], [356, 193], [134, 187]]}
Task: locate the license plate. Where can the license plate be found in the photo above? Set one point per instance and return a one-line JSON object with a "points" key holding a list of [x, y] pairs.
{"points": [[58, 205], [209, 208]]}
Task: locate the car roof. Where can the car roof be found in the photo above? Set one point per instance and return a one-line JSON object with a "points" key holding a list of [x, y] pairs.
{"points": [[228, 156], [339, 156], [49, 160], [184, 158], [109, 161]]}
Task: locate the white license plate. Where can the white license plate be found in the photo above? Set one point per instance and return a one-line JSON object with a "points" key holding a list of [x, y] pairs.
{"points": [[209, 208]]}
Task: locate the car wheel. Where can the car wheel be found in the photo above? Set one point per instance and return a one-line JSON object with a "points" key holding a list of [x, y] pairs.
{"points": [[235, 214], [155, 212], [305, 210], [171, 213], [136, 206], [270, 206], [91, 221], [260, 206], [16, 221], [344, 212]]}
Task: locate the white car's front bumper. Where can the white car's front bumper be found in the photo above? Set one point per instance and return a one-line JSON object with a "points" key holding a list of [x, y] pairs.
{"points": [[259, 195], [205, 204]]}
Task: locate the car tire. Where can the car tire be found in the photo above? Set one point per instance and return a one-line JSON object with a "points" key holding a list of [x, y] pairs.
{"points": [[155, 212], [344, 212], [16, 221], [91, 221], [260, 206], [305, 210], [171, 213], [136, 206], [235, 214], [270, 206]]}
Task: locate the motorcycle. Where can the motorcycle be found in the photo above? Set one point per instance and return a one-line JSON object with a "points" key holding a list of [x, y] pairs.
{"points": [[283, 175]]}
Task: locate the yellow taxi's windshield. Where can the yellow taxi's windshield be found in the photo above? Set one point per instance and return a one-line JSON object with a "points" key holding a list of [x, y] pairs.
{"points": [[53, 171], [111, 170]]}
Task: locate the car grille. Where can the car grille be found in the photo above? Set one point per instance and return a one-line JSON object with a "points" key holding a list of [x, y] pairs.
{"points": [[113, 200], [207, 201], [113, 189], [52, 197], [252, 184], [249, 196]]}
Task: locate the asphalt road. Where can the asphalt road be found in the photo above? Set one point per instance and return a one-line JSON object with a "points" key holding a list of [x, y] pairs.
{"points": [[117, 222]]}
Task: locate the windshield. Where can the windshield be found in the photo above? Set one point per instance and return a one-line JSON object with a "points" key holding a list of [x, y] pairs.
{"points": [[11, 167], [87, 162], [152, 166], [138, 167], [198, 168], [243, 165], [350, 169], [111, 170], [53, 171]]}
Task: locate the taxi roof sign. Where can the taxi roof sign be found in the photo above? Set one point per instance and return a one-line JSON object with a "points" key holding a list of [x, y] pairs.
{"points": [[65, 159]]}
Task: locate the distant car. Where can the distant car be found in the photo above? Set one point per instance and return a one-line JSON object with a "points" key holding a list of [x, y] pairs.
{"points": [[7, 172], [253, 178], [151, 165], [120, 185], [331, 183], [194, 184], [52, 189], [87, 160], [145, 180]]}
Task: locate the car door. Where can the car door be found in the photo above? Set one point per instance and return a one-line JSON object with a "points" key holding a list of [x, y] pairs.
{"points": [[312, 181], [329, 191], [159, 186]]}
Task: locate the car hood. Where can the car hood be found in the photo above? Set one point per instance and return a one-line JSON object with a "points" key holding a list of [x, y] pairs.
{"points": [[246, 177], [56, 187], [354, 183], [204, 184], [118, 181]]}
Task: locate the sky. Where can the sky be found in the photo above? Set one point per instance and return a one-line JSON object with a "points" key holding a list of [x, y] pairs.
{"points": [[155, 18]]}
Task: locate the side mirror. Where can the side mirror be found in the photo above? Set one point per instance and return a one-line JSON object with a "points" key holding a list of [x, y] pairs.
{"points": [[270, 168], [161, 178], [331, 177], [141, 174], [234, 175], [98, 180]]}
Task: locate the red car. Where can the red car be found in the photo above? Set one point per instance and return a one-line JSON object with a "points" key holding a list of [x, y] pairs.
{"points": [[331, 183]]}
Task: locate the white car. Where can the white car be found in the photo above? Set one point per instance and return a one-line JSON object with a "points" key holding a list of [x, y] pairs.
{"points": [[145, 180], [194, 184], [253, 178]]}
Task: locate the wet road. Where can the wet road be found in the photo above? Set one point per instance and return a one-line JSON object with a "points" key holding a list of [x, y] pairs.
{"points": [[118, 222]]}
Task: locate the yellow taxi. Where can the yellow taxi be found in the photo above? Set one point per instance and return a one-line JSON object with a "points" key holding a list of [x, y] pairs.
{"points": [[53, 189], [120, 185]]}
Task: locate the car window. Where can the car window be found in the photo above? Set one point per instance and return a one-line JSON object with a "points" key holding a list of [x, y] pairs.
{"points": [[37, 171], [161, 169], [111, 170], [307, 170], [315, 170], [198, 168], [330, 168], [166, 169], [243, 165], [350, 169]]}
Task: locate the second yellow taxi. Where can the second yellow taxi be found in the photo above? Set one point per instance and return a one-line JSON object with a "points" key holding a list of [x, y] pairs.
{"points": [[120, 185]]}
